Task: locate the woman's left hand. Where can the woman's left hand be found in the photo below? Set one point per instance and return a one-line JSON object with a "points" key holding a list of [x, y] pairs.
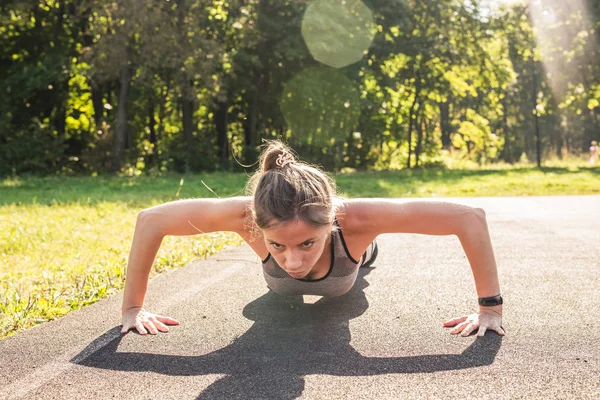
{"points": [[488, 318]]}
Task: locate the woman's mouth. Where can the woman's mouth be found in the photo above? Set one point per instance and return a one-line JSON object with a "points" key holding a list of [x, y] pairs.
{"points": [[298, 274]]}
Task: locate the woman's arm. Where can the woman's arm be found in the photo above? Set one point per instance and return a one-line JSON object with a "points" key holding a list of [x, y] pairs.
{"points": [[182, 217], [469, 224], [146, 242]]}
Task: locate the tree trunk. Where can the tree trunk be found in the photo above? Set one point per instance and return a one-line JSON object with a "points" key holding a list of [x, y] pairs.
{"points": [[221, 125], [419, 146], [121, 128], [62, 86], [538, 149], [151, 127], [419, 130], [411, 116], [251, 119], [162, 111], [587, 128], [97, 105], [445, 123], [187, 109], [61, 113], [187, 97], [506, 150], [60, 12]]}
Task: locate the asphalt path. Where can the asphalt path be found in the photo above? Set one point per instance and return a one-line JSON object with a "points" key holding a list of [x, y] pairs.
{"points": [[383, 339]]}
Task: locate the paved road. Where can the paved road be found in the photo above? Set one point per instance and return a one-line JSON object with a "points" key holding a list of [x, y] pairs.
{"points": [[384, 339]]}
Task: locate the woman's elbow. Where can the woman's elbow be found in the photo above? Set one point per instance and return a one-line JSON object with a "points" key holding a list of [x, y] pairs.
{"points": [[473, 222], [147, 221], [479, 214], [143, 216]]}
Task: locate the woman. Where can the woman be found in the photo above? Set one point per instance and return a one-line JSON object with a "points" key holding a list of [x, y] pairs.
{"points": [[310, 241]]}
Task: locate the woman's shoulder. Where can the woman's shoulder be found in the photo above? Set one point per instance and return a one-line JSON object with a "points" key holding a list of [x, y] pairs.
{"points": [[353, 219], [352, 214]]}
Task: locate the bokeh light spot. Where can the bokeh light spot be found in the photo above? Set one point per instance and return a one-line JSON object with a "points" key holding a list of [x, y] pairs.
{"points": [[321, 106], [338, 32]]}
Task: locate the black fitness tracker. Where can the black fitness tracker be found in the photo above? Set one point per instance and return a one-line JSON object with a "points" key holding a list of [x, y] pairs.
{"points": [[490, 301]]}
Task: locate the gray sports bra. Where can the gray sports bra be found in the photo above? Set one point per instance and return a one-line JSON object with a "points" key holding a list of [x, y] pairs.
{"points": [[339, 279]]}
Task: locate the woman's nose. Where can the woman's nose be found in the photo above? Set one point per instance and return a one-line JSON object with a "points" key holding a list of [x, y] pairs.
{"points": [[293, 262]]}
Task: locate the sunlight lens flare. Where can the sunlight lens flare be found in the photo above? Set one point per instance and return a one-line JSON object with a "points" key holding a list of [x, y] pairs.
{"points": [[338, 32], [563, 35]]}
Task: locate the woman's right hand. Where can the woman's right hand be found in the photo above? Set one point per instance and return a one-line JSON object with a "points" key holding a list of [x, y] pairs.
{"points": [[144, 322]]}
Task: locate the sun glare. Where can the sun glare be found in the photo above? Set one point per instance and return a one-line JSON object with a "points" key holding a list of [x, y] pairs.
{"points": [[560, 41]]}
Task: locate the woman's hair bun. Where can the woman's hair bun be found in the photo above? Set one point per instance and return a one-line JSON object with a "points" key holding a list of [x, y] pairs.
{"points": [[294, 189], [276, 155]]}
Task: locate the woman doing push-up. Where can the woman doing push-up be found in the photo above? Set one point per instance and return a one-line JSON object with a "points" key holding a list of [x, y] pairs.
{"points": [[309, 240]]}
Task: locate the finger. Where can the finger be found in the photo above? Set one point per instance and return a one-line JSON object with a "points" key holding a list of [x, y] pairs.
{"points": [[455, 321], [500, 331], [469, 329], [459, 328], [167, 320], [159, 325], [140, 328], [126, 328], [482, 330], [150, 326]]}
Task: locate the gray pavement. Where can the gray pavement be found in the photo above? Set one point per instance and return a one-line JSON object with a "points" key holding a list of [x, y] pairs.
{"points": [[384, 339]]}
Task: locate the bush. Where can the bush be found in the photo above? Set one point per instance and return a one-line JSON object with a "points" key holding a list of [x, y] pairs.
{"points": [[33, 149]]}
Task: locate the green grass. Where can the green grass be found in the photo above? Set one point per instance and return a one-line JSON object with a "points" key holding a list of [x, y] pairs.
{"points": [[64, 241], [525, 181]]}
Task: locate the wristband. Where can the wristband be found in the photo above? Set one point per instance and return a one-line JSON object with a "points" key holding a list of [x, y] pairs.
{"points": [[490, 301]]}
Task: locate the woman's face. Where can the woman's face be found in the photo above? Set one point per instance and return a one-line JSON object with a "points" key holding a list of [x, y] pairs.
{"points": [[296, 245]]}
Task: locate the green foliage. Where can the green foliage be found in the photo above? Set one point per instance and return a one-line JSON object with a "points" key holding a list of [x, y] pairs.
{"points": [[321, 107], [188, 85], [198, 155], [33, 149], [474, 136]]}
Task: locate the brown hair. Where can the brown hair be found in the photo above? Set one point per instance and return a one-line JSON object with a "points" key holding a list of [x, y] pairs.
{"points": [[286, 189]]}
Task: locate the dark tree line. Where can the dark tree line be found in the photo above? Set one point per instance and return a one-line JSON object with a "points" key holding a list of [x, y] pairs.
{"points": [[190, 85]]}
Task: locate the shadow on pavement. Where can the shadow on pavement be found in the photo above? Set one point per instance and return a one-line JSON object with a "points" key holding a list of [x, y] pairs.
{"points": [[288, 341]]}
